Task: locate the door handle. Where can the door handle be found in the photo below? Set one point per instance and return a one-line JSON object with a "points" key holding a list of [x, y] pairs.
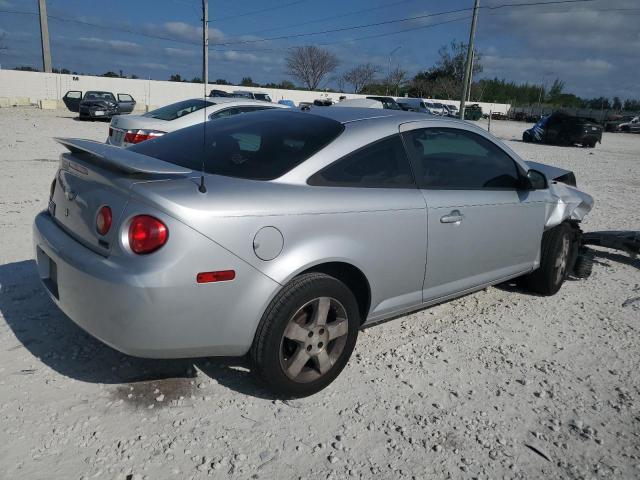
{"points": [[454, 217]]}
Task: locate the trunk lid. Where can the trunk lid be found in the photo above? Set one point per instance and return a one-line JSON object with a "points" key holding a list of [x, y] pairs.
{"points": [[121, 123], [94, 175]]}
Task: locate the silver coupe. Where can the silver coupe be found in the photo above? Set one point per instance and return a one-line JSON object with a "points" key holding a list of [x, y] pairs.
{"points": [[279, 234]]}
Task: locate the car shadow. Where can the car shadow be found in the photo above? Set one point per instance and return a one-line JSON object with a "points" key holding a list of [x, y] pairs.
{"points": [[49, 335], [600, 257]]}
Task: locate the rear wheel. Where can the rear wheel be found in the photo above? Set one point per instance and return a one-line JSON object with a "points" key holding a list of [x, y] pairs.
{"points": [[306, 336], [554, 261], [526, 137]]}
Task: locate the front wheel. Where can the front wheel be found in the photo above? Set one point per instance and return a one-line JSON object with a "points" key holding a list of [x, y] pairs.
{"points": [[306, 335], [554, 261]]}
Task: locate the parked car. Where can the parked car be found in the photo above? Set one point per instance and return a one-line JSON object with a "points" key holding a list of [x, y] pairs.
{"points": [[387, 102], [215, 93], [97, 104], [413, 104], [451, 110], [323, 102], [288, 103], [473, 112], [632, 125], [431, 106], [562, 129], [252, 95], [132, 129], [281, 233], [360, 103]]}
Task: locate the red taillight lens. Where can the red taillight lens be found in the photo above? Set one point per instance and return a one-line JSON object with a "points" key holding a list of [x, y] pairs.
{"points": [[219, 276], [110, 132], [147, 234], [103, 220], [137, 136]]}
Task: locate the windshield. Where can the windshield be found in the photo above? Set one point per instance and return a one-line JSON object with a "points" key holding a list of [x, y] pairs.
{"points": [[542, 122], [258, 146], [242, 94], [108, 96], [438, 105], [177, 110], [262, 96]]}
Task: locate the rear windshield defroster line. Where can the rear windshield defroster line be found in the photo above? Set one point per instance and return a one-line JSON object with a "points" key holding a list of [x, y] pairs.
{"points": [[260, 145]]}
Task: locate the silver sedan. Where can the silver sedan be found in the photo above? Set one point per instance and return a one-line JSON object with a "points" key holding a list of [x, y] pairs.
{"points": [[127, 130], [281, 233]]}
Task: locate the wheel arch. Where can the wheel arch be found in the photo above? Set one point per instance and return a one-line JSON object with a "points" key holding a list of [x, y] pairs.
{"points": [[352, 276]]}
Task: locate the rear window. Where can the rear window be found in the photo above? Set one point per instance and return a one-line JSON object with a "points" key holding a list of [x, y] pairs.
{"points": [[179, 109], [99, 96], [258, 146]]}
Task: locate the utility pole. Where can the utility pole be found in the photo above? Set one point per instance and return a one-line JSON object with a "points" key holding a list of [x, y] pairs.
{"points": [[468, 66], [389, 66], [473, 60], [44, 36], [205, 43]]}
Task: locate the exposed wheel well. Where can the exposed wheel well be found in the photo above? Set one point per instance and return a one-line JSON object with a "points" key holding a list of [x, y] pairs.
{"points": [[353, 278]]}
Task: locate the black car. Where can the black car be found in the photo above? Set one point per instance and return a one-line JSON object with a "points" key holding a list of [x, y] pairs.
{"points": [[220, 94], [563, 129], [96, 104]]}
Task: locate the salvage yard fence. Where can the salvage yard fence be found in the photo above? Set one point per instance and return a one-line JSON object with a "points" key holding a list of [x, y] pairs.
{"points": [[47, 90]]}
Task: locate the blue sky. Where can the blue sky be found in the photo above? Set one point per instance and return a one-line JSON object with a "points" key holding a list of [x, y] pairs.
{"points": [[593, 46]]}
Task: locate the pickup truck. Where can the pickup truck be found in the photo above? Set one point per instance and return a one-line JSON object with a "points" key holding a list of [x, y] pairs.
{"points": [[97, 104]]}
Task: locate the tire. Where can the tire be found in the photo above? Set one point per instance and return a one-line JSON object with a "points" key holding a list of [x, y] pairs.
{"points": [[293, 352], [584, 263], [526, 137], [554, 261]]}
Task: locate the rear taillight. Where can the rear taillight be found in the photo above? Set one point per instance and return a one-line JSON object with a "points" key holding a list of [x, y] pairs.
{"points": [[147, 234], [137, 136], [103, 220], [110, 132]]}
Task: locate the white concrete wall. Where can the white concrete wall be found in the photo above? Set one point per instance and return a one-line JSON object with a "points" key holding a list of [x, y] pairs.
{"points": [[38, 86]]}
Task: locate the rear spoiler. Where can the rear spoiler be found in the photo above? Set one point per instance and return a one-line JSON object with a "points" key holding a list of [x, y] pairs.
{"points": [[115, 158]]}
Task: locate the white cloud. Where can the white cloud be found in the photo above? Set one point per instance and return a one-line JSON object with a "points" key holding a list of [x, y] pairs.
{"points": [[120, 47]]}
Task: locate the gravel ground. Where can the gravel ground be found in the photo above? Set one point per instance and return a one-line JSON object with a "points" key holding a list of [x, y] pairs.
{"points": [[498, 384]]}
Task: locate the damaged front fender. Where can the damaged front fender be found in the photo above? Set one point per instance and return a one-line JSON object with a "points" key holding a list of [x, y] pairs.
{"points": [[567, 202]]}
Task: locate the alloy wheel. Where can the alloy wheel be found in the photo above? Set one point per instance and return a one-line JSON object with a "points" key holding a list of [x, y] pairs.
{"points": [[314, 339]]}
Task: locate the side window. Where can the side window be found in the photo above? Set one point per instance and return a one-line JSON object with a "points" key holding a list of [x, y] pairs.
{"points": [[453, 159], [383, 164], [227, 112], [125, 97]]}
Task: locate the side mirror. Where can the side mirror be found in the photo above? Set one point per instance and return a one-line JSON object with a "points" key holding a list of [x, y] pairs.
{"points": [[536, 180]]}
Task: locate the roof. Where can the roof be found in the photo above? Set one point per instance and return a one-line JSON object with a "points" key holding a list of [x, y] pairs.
{"points": [[355, 114]]}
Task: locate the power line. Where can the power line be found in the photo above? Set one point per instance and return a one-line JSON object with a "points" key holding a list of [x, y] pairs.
{"points": [[399, 20], [299, 35], [334, 17], [255, 12]]}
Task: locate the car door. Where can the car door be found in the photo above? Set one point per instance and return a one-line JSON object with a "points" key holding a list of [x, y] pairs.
{"points": [[126, 103], [72, 100], [388, 233], [481, 227]]}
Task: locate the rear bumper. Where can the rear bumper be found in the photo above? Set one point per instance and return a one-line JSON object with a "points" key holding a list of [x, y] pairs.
{"points": [[154, 310]]}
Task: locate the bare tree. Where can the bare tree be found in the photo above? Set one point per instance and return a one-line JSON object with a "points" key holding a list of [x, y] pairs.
{"points": [[395, 79], [310, 64], [361, 76]]}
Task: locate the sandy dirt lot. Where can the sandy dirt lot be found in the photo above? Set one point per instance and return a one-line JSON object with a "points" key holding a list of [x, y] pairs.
{"points": [[499, 384]]}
